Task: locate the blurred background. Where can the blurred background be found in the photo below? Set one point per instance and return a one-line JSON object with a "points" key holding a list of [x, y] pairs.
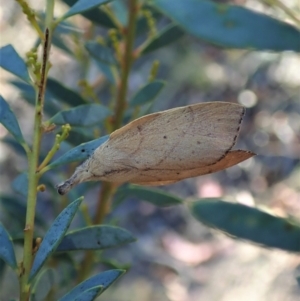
{"points": [[175, 257]]}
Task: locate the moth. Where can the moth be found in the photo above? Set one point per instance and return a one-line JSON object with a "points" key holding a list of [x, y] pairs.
{"points": [[166, 147]]}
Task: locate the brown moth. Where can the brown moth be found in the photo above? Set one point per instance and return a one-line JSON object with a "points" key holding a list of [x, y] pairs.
{"points": [[167, 147]]}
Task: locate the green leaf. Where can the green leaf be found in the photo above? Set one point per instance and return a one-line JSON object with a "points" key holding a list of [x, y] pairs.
{"points": [[90, 294], [95, 238], [13, 63], [231, 26], [84, 115], [80, 135], [120, 11], [67, 28], [100, 52], [9, 120], [64, 94], [96, 15], [20, 184], [79, 153], [168, 35], [107, 70], [42, 286], [12, 143], [53, 237], [29, 95], [59, 43], [17, 209], [25, 89], [83, 5], [7, 252], [104, 279], [248, 223], [155, 196], [147, 93]]}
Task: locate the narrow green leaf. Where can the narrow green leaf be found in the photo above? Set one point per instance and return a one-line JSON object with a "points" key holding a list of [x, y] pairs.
{"points": [[7, 252], [13, 63], [107, 70], [53, 237], [58, 42], [248, 223], [42, 286], [165, 37], [13, 144], [79, 153], [17, 209], [231, 26], [104, 279], [64, 94], [142, 24], [9, 120], [25, 89], [96, 15], [155, 196], [66, 28], [28, 94], [120, 11], [90, 294], [95, 238], [20, 184], [83, 5], [147, 93], [84, 115], [80, 135], [100, 52]]}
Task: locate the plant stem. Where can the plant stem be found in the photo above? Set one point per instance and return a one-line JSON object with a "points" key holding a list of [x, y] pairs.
{"points": [[103, 205], [33, 177], [126, 64]]}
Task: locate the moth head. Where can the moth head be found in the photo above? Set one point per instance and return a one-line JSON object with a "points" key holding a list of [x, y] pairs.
{"points": [[81, 174]]}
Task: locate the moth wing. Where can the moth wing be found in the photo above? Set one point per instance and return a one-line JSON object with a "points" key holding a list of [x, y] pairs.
{"points": [[177, 138], [158, 177]]}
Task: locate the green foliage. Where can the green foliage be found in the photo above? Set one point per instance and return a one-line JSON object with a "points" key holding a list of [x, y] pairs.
{"points": [[154, 196], [95, 238], [248, 223], [101, 53], [231, 26], [90, 294], [82, 6], [8, 119], [43, 285], [7, 252], [104, 279], [53, 237], [64, 94], [146, 94], [78, 153], [12, 62], [171, 33], [84, 115], [71, 122]]}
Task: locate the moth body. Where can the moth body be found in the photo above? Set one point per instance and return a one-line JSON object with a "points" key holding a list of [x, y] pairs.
{"points": [[166, 147]]}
